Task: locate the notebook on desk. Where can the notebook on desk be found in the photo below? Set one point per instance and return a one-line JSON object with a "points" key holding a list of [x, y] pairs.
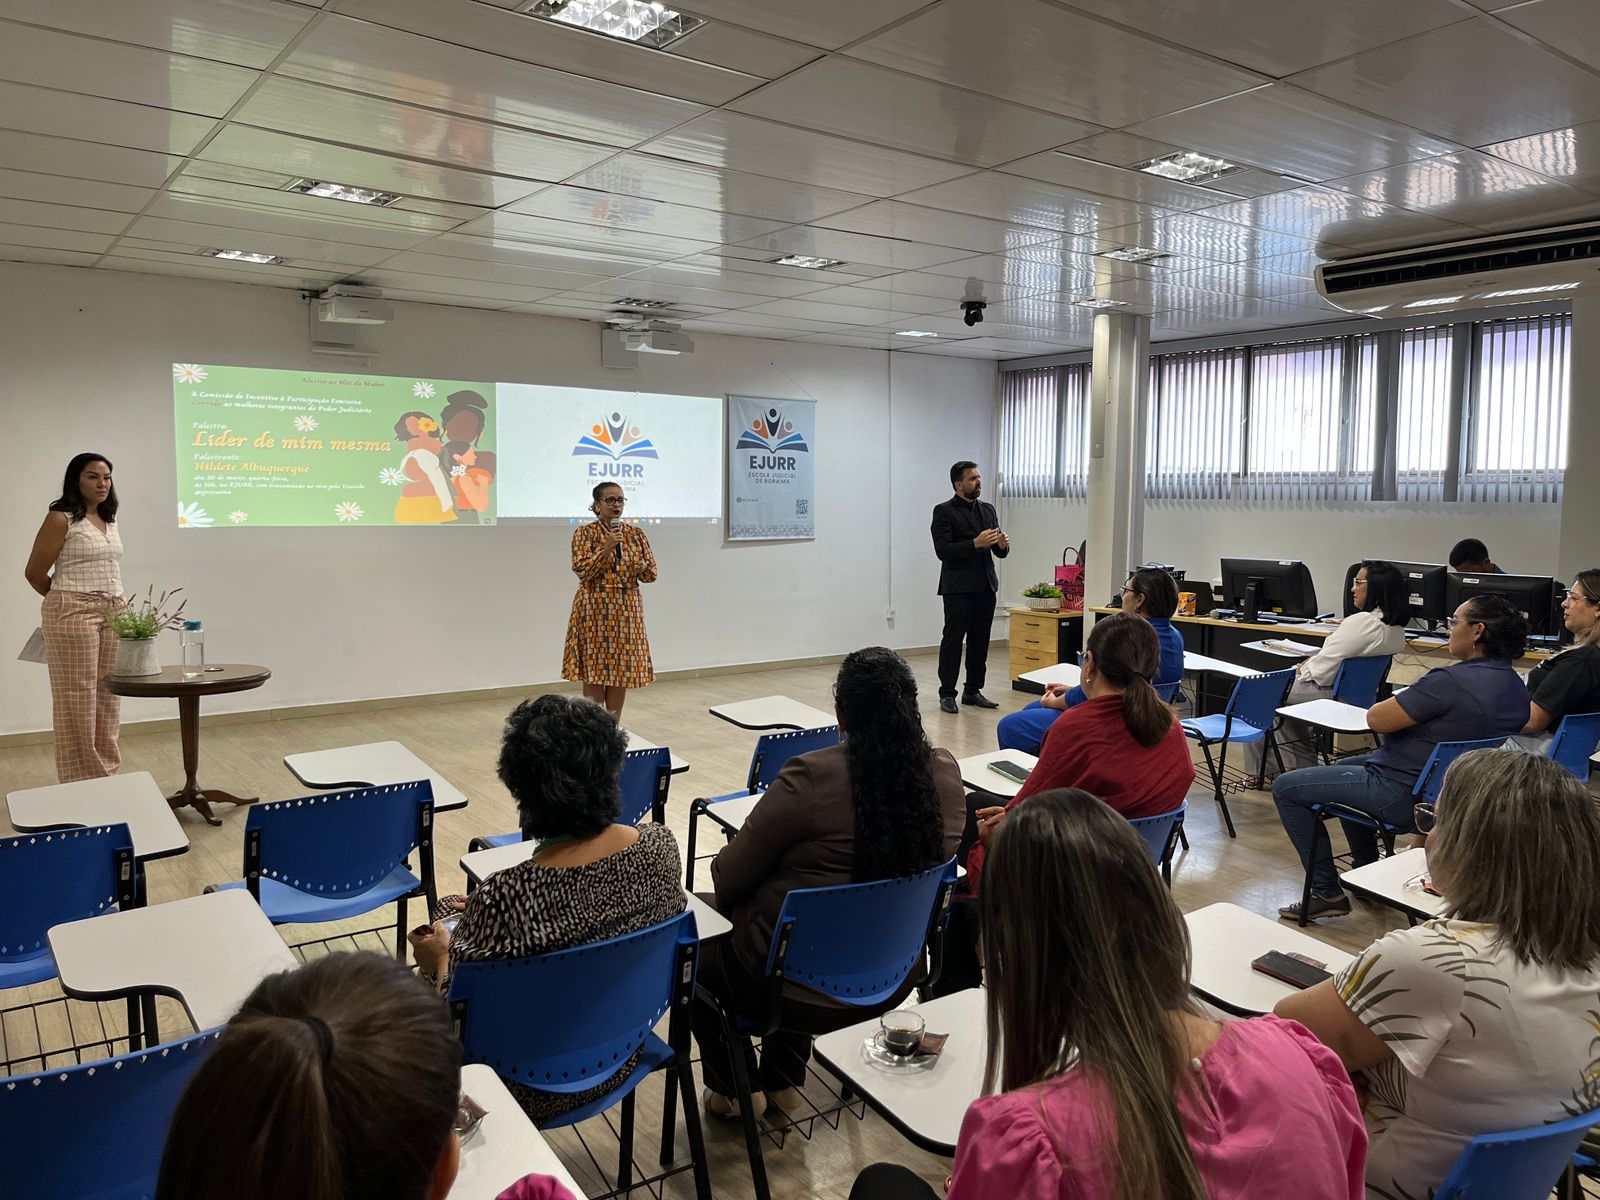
{"points": [[1286, 646]]}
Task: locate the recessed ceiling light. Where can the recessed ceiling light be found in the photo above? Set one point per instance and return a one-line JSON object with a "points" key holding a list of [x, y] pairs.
{"points": [[340, 191], [808, 261], [914, 333], [639, 21], [1187, 166], [1530, 291], [1135, 254], [1436, 300], [635, 302], [249, 256], [1098, 304]]}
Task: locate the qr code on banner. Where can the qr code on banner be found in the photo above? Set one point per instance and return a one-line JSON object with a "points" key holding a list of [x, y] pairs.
{"points": [[802, 507]]}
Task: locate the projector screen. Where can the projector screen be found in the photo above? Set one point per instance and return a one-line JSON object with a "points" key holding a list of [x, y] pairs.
{"points": [[257, 446]]}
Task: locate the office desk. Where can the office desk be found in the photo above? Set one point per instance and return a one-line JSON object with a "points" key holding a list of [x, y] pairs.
{"points": [[505, 1146], [1226, 939]]}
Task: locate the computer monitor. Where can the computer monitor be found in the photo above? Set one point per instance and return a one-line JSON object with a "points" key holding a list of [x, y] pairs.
{"points": [[1425, 588], [1273, 585], [1534, 596]]}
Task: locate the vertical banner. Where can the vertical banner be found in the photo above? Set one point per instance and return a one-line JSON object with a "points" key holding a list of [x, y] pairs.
{"points": [[771, 471]]}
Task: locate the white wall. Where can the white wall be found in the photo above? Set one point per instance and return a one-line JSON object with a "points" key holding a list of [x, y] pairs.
{"points": [[354, 613], [1522, 538]]}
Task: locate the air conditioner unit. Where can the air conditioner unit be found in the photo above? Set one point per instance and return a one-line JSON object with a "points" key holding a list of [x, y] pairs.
{"points": [[346, 304], [1507, 268]]}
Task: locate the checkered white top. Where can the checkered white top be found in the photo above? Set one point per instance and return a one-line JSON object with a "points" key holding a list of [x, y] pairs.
{"points": [[89, 560]]}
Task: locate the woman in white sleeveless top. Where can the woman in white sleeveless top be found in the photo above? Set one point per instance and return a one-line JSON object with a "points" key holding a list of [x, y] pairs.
{"points": [[75, 567]]}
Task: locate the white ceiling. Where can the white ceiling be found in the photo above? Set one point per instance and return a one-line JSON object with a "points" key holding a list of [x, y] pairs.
{"points": [[939, 149]]}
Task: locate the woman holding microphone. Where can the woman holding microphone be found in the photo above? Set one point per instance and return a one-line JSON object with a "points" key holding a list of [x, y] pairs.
{"points": [[607, 650], [75, 566]]}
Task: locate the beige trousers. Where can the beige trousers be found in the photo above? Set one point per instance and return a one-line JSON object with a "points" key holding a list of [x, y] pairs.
{"points": [[81, 652]]}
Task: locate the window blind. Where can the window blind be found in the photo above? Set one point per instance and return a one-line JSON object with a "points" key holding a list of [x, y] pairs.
{"points": [[1195, 439], [1030, 412], [1516, 438]]}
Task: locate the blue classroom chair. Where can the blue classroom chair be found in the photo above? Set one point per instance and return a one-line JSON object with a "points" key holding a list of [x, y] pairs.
{"points": [[1250, 716], [1524, 1164], [51, 878], [645, 781], [1160, 834], [1575, 741]]}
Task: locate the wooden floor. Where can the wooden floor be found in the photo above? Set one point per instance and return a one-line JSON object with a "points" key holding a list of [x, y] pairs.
{"points": [[1258, 870]]}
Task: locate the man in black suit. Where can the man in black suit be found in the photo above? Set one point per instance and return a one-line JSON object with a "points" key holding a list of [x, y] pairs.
{"points": [[967, 538]]}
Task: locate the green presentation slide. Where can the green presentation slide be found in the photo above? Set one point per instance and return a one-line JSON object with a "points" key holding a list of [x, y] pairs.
{"points": [[268, 447]]}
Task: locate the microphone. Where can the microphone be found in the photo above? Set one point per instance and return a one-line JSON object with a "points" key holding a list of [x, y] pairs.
{"points": [[616, 525]]}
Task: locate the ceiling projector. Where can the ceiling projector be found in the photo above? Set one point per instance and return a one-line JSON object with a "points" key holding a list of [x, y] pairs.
{"points": [[663, 339], [347, 304]]}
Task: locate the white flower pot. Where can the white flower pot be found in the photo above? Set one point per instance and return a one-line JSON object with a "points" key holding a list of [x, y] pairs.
{"points": [[137, 656], [1043, 603]]}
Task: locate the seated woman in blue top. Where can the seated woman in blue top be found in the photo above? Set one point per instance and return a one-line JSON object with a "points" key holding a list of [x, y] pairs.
{"points": [[1149, 593], [1478, 697]]}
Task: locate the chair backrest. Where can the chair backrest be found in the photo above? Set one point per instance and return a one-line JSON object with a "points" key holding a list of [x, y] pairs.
{"points": [[1358, 679], [1575, 742], [65, 875], [1522, 1165], [340, 843], [646, 777], [97, 1130], [1160, 832], [1256, 699], [773, 750], [857, 942], [1166, 691], [518, 1015], [1444, 753]]}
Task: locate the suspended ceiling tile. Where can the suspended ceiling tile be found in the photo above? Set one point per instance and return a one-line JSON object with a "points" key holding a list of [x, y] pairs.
{"points": [[545, 43], [858, 100], [913, 223], [296, 203], [1566, 25], [203, 169], [246, 32], [887, 301], [713, 188], [1000, 348], [1024, 275], [440, 300], [53, 239], [826, 23], [613, 291], [758, 260], [362, 57], [303, 158], [948, 290], [31, 109], [1437, 82], [1193, 237], [43, 254], [851, 248], [1081, 175], [1277, 37], [306, 249], [807, 309], [481, 289], [773, 324], [743, 50], [62, 216], [150, 263], [292, 106], [582, 260], [1327, 214], [249, 219], [708, 271], [85, 193], [85, 160], [1240, 280], [1111, 76], [1570, 154], [740, 143], [1026, 202], [598, 308], [1468, 187], [1249, 184], [418, 262], [509, 227], [642, 216], [1285, 129], [1117, 149], [119, 72]]}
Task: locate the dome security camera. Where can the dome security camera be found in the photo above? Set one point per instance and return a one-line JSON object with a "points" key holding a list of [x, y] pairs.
{"points": [[972, 311]]}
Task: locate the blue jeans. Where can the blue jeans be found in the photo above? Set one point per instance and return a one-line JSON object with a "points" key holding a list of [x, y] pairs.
{"points": [[1025, 729], [1353, 784]]}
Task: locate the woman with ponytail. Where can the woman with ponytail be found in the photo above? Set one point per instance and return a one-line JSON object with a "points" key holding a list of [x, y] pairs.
{"points": [[1103, 1080], [1123, 744], [881, 805]]}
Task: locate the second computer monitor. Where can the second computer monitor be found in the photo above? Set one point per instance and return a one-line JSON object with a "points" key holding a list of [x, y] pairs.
{"points": [[1425, 588], [1534, 596], [1277, 585]]}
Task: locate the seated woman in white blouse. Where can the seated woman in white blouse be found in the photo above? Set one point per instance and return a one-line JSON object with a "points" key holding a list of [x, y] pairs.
{"points": [[1378, 626]]}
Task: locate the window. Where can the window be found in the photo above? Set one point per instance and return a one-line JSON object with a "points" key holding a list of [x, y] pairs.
{"points": [[1303, 424], [1196, 408], [1422, 413], [1516, 438], [1044, 432]]}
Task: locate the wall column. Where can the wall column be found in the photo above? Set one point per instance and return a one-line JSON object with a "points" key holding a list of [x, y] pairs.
{"points": [[1579, 546], [1118, 404]]}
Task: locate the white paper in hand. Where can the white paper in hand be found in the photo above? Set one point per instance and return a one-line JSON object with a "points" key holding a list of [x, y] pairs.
{"points": [[33, 648]]}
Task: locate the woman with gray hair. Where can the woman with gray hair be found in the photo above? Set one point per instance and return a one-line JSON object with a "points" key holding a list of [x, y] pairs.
{"points": [[1481, 1021]]}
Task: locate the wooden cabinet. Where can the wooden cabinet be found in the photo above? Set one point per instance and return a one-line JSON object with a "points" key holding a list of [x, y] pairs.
{"points": [[1039, 639]]}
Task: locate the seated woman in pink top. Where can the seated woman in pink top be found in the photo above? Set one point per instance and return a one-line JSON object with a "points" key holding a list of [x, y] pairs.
{"points": [[1109, 1084]]}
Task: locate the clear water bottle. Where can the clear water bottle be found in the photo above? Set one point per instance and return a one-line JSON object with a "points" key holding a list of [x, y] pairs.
{"points": [[193, 640]]}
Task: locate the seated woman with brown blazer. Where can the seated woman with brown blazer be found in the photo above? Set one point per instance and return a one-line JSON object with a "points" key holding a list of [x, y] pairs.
{"points": [[881, 805]]}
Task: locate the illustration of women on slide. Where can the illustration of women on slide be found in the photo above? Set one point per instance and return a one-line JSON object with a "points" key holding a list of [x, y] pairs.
{"points": [[426, 498], [470, 470]]}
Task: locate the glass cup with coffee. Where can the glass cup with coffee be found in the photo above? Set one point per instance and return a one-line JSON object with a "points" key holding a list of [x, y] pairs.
{"points": [[901, 1032]]}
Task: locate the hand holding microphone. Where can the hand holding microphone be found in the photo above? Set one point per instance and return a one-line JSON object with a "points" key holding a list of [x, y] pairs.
{"points": [[614, 536]]}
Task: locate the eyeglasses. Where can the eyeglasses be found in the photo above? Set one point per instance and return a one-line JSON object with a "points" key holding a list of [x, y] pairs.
{"points": [[1581, 598], [613, 500], [1452, 622], [1422, 817]]}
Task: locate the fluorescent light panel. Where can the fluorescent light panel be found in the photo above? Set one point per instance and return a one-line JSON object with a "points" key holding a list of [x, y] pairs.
{"points": [[1135, 254], [637, 21], [916, 333], [1101, 305], [342, 191], [249, 256], [1189, 166], [809, 261], [635, 302]]}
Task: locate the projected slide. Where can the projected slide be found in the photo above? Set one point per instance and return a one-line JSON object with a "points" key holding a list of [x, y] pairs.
{"points": [[269, 447], [665, 451]]}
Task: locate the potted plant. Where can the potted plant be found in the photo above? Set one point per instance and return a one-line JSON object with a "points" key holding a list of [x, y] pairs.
{"points": [[136, 626], [1046, 597]]}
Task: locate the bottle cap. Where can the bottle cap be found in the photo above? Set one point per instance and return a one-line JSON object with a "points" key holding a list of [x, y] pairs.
{"points": [[191, 624]]}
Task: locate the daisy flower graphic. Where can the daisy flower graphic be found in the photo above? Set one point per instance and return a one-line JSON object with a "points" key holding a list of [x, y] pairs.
{"points": [[458, 470], [192, 516], [393, 476], [349, 510], [305, 424], [238, 516], [422, 390], [188, 372]]}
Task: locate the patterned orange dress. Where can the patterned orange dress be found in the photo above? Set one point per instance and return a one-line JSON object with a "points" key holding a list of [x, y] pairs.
{"points": [[606, 642]]}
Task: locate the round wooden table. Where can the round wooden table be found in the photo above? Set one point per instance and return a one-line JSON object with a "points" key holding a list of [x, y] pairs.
{"points": [[218, 680]]}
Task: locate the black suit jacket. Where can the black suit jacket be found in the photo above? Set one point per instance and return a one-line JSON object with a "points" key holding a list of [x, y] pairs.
{"points": [[964, 569]]}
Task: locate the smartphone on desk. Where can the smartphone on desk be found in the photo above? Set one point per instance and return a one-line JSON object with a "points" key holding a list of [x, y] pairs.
{"points": [[1011, 770], [1292, 969]]}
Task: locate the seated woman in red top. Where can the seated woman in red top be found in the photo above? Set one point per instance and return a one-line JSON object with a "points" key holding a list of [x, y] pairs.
{"points": [[1123, 744]]}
